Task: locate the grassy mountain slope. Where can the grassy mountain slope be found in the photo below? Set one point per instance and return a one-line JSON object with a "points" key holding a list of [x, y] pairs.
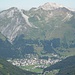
{"points": [[64, 67], [2, 37]]}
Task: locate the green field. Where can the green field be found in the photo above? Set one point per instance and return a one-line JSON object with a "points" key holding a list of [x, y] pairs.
{"points": [[31, 68]]}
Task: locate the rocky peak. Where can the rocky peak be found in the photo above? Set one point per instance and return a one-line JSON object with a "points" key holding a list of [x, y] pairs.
{"points": [[51, 6], [9, 12], [13, 8]]}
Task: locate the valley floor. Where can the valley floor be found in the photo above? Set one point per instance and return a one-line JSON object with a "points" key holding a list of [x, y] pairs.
{"points": [[34, 64]]}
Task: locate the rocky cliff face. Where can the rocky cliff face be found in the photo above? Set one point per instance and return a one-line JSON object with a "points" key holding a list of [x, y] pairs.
{"points": [[14, 22], [41, 28]]}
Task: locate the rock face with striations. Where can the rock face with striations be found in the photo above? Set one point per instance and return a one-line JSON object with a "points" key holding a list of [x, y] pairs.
{"points": [[51, 6], [14, 22], [47, 22]]}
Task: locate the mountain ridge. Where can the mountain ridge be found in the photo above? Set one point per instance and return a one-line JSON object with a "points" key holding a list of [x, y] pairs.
{"points": [[66, 66], [38, 29], [51, 6], [21, 21]]}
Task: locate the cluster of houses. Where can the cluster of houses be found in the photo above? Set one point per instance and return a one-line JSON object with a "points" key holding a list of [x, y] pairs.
{"points": [[32, 61]]}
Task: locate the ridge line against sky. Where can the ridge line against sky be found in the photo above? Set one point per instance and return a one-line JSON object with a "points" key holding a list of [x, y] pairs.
{"points": [[27, 4]]}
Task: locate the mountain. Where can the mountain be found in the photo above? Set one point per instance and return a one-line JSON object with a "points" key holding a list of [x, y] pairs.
{"points": [[15, 22], [64, 67], [12, 23], [47, 29], [51, 6], [7, 68]]}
